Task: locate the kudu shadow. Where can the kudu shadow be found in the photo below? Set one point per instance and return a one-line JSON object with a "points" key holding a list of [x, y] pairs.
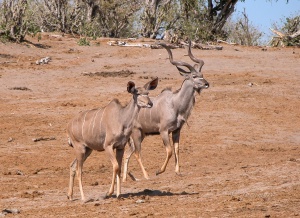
{"points": [[38, 45], [145, 192], [157, 193]]}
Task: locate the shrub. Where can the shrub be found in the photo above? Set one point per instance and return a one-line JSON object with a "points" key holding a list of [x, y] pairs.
{"points": [[83, 42]]}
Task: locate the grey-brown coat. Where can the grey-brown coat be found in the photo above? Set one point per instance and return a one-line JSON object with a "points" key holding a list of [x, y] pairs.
{"points": [[169, 112], [106, 129]]}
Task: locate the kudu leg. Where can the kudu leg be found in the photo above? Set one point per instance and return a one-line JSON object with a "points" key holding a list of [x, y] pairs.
{"points": [[135, 147], [129, 151], [137, 155], [175, 139], [137, 141], [169, 150], [79, 176], [73, 167], [119, 156], [76, 166], [116, 169]]}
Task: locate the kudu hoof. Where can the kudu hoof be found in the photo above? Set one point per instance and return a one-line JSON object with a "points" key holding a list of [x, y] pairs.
{"points": [[179, 174], [107, 195]]}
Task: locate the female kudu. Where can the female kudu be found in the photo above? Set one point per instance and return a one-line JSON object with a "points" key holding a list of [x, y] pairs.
{"points": [[106, 129]]}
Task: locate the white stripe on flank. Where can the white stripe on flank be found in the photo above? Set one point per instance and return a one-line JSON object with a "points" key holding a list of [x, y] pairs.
{"points": [[78, 126], [94, 121], [90, 123], [83, 124], [100, 126], [101, 121]]}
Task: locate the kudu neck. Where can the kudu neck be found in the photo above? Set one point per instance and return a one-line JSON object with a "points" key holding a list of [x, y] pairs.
{"points": [[185, 95], [187, 90], [129, 112]]}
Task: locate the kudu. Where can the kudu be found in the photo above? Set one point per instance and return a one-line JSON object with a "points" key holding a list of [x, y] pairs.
{"points": [[169, 112], [106, 129]]}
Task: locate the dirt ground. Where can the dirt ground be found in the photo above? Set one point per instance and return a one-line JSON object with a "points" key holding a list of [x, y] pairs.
{"points": [[239, 152]]}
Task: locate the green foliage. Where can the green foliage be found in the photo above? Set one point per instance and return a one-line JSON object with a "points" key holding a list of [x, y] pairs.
{"points": [[13, 22], [90, 29], [4, 36], [194, 22], [195, 25], [165, 14], [83, 42], [116, 17], [201, 20], [87, 18], [289, 27]]}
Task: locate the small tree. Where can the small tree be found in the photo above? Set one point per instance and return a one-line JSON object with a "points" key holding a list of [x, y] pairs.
{"points": [[13, 24], [193, 22], [241, 31], [53, 15], [157, 14], [116, 17], [199, 19]]}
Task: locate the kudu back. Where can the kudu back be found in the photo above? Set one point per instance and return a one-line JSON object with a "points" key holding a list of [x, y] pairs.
{"points": [[169, 112], [106, 129]]}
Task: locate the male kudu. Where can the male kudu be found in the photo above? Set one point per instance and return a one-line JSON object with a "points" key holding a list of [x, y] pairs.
{"points": [[169, 112], [106, 129]]}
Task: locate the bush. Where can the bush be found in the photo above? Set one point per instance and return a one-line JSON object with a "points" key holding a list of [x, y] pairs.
{"points": [[83, 42], [288, 32], [13, 22], [242, 32]]}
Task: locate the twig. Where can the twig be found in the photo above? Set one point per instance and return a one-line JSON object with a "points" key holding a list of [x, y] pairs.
{"points": [[43, 139], [280, 34], [222, 41], [8, 62]]}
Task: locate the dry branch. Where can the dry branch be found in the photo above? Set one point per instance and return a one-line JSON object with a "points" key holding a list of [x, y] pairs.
{"points": [[283, 39], [126, 44], [222, 41], [203, 46], [280, 34], [294, 35], [43, 139]]}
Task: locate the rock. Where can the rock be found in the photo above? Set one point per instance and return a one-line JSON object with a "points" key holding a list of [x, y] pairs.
{"points": [[20, 173], [140, 201], [45, 60], [7, 211]]}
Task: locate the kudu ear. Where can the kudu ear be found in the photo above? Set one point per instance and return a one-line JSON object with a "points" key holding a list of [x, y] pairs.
{"points": [[182, 72], [198, 69], [152, 84], [130, 87]]}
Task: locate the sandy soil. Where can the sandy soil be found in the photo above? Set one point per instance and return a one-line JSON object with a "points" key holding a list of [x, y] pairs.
{"points": [[239, 153]]}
